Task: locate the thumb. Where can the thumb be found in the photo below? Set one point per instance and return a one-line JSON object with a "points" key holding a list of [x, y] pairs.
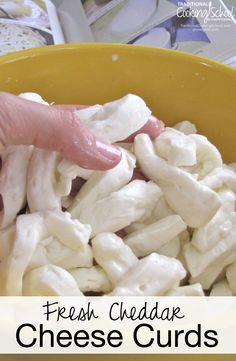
{"points": [[26, 122]]}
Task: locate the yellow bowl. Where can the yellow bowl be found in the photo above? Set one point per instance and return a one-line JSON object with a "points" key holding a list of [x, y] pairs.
{"points": [[175, 85]]}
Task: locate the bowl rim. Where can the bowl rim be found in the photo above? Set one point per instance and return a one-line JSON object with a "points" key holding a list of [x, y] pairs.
{"points": [[164, 53]]}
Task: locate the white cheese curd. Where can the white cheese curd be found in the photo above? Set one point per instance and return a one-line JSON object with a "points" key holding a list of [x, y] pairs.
{"points": [[93, 279], [34, 97], [65, 242], [184, 238], [67, 172], [74, 259], [213, 273], [197, 262], [70, 232], [43, 175], [101, 184], [29, 230], [7, 236], [134, 227], [162, 209], [186, 127], [208, 156], [117, 120], [50, 281], [191, 290], [231, 166], [220, 225], [152, 237], [13, 178], [194, 202], [111, 253], [153, 275], [51, 251], [231, 277], [221, 288], [70, 170], [121, 208], [175, 147], [42, 179], [221, 178], [161, 222], [171, 248]]}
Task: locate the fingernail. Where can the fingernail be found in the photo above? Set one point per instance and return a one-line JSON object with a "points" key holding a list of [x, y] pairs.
{"points": [[112, 153]]}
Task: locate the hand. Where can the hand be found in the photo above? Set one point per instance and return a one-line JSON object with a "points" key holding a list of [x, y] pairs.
{"points": [[53, 128]]}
